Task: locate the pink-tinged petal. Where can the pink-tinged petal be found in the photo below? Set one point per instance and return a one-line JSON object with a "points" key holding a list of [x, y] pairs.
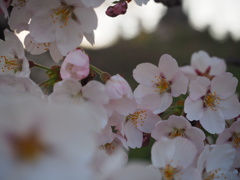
{"points": [[185, 152], [218, 66], [165, 102], [136, 171], [179, 122], [203, 158], [189, 173], [124, 105], [221, 156], [95, 91], [162, 152], [161, 129], [117, 87], [90, 37], [199, 87], [43, 33], [194, 109], [15, 20], [196, 136], [133, 135], [34, 47], [87, 18], [40, 8], [179, 85], [224, 136], [69, 37], [189, 72], [115, 119], [100, 114], [168, 66], [213, 121], [224, 85], [69, 86], [64, 91], [55, 53], [200, 61], [151, 102], [230, 107], [142, 91], [147, 121], [145, 73]]}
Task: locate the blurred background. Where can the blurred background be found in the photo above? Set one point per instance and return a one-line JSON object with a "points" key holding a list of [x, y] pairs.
{"points": [[145, 33]]}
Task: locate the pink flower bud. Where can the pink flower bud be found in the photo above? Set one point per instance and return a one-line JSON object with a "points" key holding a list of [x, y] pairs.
{"points": [[110, 12], [75, 65], [119, 8]]}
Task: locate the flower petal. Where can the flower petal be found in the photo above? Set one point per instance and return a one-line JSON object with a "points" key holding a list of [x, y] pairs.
{"points": [[194, 109]]}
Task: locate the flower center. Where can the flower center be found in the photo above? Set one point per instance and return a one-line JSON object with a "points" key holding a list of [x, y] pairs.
{"points": [[27, 148], [161, 84], [138, 117], [214, 174], [236, 139], [169, 172], [10, 64], [107, 146], [63, 14], [211, 100], [176, 132]]}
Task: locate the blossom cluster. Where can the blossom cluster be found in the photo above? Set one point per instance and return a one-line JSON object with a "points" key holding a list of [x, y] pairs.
{"points": [[77, 128]]}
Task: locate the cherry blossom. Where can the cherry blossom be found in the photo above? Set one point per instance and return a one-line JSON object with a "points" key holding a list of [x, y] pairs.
{"points": [[75, 65], [39, 140], [12, 56], [215, 162], [158, 85], [212, 102], [174, 158], [179, 126], [231, 136], [16, 21], [38, 48], [121, 96], [204, 65], [71, 91], [63, 22]]}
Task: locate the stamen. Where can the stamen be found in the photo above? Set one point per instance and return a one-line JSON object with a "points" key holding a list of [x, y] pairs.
{"points": [[10, 64], [107, 146], [138, 118], [177, 132], [161, 84], [62, 14], [236, 139], [211, 100], [169, 172]]}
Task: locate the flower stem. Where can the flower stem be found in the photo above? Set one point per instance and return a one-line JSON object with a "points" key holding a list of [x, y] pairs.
{"points": [[97, 70], [33, 64]]}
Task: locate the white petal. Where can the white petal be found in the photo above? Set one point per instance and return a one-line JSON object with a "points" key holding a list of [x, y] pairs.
{"points": [[218, 66], [162, 152], [224, 85], [168, 66], [145, 73], [133, 135], [68, 37], [200, 61], [230, 107], [194, 109], [179, 85], [213, 121], [148, 122], [199, 87]]}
